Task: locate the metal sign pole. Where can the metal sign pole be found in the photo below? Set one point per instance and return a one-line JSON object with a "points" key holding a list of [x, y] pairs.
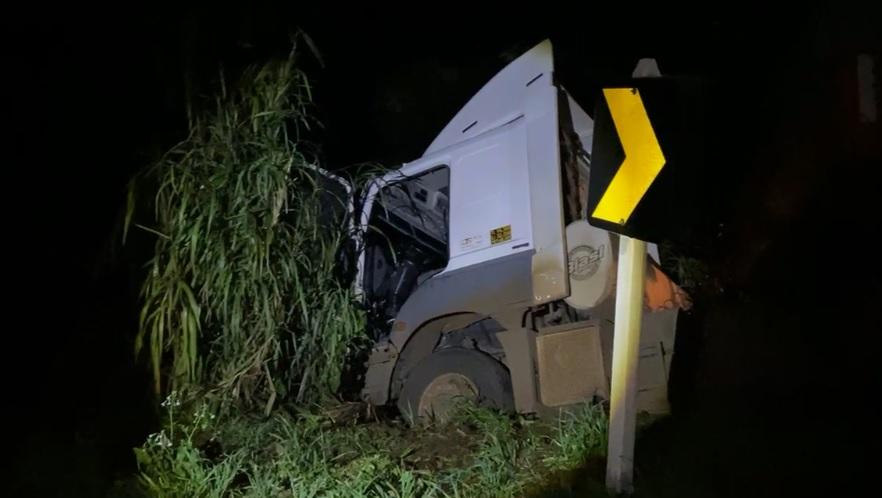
{"points": [[643, 161], [630, 283]]}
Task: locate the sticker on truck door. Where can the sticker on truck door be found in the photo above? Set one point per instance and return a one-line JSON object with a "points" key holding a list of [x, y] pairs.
{"points": [[500, 235], [471, 243]]}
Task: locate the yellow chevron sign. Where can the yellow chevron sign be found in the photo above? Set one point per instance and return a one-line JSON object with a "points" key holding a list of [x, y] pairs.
{"points": [[643, 156]]}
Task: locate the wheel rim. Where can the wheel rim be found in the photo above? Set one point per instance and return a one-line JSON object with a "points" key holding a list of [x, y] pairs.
{"points": [[443, 394]]}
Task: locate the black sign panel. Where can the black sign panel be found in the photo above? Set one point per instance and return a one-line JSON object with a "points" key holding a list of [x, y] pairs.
{"points": [[637, 197]]}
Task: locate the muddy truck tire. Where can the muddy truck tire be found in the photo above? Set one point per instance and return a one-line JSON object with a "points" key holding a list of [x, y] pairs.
{"points": [[450, 376]]}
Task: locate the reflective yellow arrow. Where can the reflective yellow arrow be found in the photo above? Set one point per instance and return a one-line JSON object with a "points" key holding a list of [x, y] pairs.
{"points": [[643, 156]]}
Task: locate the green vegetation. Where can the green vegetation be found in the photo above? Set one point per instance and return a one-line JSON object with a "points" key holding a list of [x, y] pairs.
{"points": [[246, 324], [479, 454], [240, 298]]}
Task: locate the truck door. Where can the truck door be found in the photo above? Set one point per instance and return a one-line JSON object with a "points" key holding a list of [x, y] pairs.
{"points": [[505, 174]]}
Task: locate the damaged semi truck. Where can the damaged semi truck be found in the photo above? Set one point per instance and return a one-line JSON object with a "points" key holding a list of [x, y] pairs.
{"points": [[482, 278]]}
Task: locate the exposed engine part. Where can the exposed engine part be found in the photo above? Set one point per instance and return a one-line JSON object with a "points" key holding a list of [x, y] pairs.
{"points": [[558, 313]]}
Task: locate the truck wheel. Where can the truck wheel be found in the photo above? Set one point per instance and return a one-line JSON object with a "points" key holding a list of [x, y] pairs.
{"points": [[450, 376]]}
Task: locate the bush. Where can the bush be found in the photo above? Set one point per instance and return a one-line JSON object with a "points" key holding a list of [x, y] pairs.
{"points": [[240, 296]]}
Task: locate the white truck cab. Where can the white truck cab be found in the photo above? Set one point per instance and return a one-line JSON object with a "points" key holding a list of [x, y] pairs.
{"points": [[481, 276]]}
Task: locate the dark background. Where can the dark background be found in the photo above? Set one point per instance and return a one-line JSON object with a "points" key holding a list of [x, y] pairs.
{"points": [[776, 375]]}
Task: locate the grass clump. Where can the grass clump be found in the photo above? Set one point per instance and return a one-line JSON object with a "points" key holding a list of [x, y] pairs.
{"points": [[240, 297], [307, 453], [578, 434]]}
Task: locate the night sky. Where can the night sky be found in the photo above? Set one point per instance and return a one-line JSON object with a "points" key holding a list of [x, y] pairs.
{"points": [[779, 365]]}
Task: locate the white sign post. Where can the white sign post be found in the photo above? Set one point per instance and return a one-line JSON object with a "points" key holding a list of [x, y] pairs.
{"points": [[630, 284]]}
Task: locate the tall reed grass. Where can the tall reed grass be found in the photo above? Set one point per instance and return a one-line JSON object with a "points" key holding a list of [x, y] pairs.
{"points": [[240, 296]]}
